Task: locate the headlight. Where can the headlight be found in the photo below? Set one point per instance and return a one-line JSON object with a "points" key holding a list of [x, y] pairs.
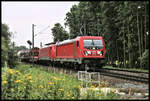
{"points": [[89, 52], [86, 54], [93, 47], [99, 52]]}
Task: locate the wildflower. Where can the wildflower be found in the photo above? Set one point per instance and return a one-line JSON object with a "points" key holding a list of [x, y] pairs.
{"points": [[50, 83], [41, 86], [17, 81], [92, 86], [55, 78], [11, 71], [89, 88], [26, 74], [79, 87], [60, 89], [94, 89], [29, 77], [31, 81], [97, 94], [18, 72], [68, 94], [5, 82]]}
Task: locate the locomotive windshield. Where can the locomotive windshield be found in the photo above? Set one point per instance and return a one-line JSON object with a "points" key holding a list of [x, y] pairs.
{"points": [[36, 53], [93, 44]]}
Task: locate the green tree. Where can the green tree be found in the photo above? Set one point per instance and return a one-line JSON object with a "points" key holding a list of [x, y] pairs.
{"points": [[9, 50], [145, 59], [59, 33], [19, 48], [121, 23], [5, 36]]}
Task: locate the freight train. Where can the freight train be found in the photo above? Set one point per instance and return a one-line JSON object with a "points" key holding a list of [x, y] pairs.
{"points": [[81, 53]]}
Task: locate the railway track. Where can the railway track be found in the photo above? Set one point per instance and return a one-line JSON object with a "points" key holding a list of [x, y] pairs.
{"points": [[141, 77]]}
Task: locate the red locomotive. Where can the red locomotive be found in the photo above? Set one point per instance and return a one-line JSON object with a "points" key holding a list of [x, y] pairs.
{"points": [[27, 56], [81, 52], [46, 55], [85, 50], [34, 54]]}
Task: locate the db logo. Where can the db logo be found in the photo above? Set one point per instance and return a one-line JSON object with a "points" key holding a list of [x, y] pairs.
{"points": [[94, 52]]}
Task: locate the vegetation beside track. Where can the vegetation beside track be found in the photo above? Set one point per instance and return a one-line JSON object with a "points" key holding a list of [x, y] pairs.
{"points": [[26, 82], [130, 69]]}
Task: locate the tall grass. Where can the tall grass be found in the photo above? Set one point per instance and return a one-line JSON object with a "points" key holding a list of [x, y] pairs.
{"points": [[24, 82]]}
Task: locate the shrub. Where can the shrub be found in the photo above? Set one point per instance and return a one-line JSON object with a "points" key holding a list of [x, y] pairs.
{"points": [[145, 59]]}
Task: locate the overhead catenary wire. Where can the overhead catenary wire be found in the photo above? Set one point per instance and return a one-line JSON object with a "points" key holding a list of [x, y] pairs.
{"points": [[42, 30]]}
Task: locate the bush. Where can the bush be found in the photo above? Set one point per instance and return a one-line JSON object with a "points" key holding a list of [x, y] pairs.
{"points": [[12, 58], [145, 59]]}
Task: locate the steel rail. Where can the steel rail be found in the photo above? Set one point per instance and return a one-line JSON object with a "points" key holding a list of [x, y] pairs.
{"points": [[108, 72]]}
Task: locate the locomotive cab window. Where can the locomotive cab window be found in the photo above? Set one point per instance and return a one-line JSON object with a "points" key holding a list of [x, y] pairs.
{"points": [[93, 44]]}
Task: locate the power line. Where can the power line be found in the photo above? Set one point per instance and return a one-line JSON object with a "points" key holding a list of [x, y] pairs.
{"points": [[42, 30]]}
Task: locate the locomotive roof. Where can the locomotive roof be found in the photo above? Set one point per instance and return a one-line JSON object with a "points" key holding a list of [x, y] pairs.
{"points": [[77, 38], [67, 41], [47, 46]]}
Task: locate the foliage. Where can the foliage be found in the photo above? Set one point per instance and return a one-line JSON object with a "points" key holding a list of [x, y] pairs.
{"points": [[13, 58], [19, 48], [9, 50], [25, 83], [5, 36], [122, 24], [59, 33], [145, 58]]}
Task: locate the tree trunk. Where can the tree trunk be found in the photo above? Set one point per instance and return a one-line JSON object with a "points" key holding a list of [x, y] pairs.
{"points": [[145, 26], [124, 47], [117, 52], [129, 45], [132, 49], [139, 36], [108, 56]]}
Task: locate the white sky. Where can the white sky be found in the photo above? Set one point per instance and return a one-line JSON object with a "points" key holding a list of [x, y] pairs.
{"points": [[21, 15]]}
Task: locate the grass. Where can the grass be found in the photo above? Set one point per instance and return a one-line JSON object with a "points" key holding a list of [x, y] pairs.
{"points": [[132, 69], [26, 83]]}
